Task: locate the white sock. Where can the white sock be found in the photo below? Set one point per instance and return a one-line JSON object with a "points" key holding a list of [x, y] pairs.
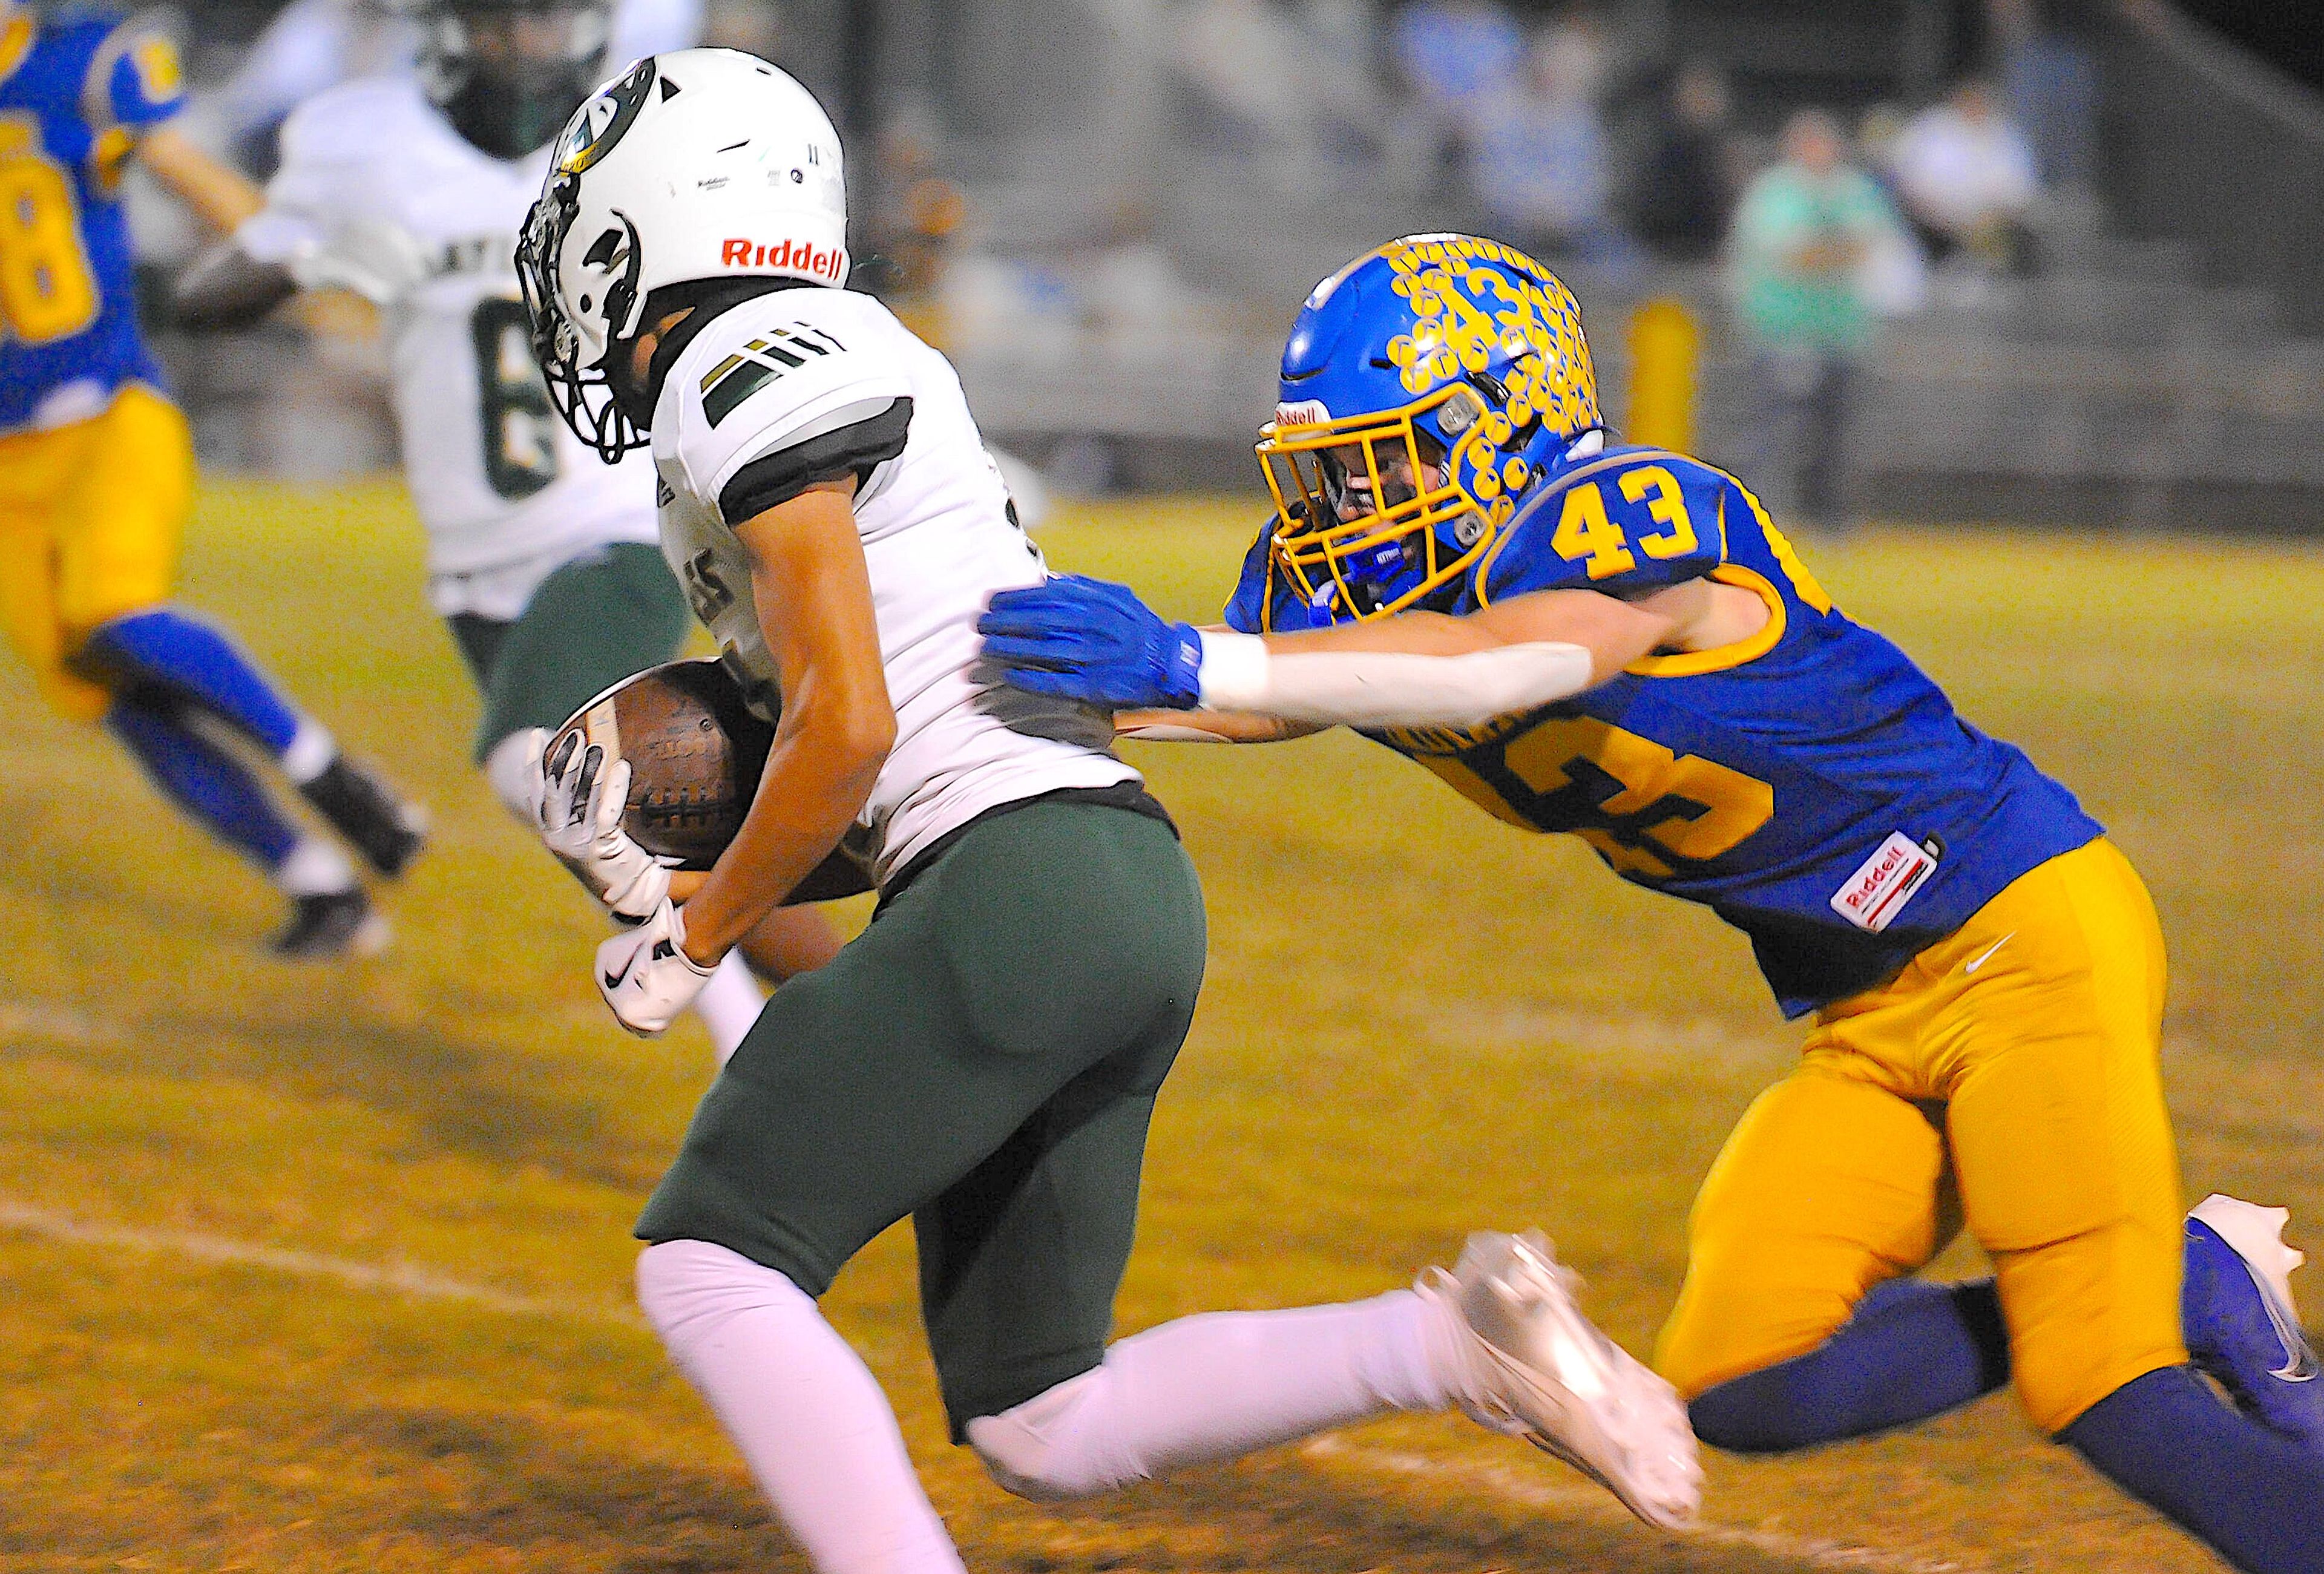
{"points": [[811, 1422], [315, 868], [309, 753], [729, 1004], [1220, 1386]]}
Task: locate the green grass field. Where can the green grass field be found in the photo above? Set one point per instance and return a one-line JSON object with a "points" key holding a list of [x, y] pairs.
{"points": [[327, 1268]]}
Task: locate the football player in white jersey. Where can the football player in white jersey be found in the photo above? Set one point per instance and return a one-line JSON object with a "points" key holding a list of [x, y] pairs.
{"points": [[408, 189], [984, 1058]]}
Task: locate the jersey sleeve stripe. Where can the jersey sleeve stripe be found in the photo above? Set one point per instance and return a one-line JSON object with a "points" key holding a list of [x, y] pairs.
{"points": [[856, 448]]}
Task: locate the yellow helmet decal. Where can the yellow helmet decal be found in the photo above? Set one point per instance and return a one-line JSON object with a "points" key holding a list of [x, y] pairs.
{"points": [[1470, 297]]}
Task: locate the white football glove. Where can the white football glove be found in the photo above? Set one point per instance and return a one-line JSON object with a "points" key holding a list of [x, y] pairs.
{"points": [[580, 818], [645, 974]]}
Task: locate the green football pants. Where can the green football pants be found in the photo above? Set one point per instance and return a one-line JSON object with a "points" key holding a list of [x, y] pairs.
{"points": [[596, 621], [984, 1058]]}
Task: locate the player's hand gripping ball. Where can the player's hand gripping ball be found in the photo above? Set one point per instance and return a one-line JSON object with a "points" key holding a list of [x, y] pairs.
{"points": [[690, 754], [657, 774]]}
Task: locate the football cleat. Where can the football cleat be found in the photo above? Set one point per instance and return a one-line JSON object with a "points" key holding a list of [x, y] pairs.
{"points": [[2241, 1326], [1534, 1367], [333, 924], [386, 829]]}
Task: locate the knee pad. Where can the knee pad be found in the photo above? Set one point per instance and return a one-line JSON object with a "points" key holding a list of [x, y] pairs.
{"points": [[1049, 1449], [690, 1287]]}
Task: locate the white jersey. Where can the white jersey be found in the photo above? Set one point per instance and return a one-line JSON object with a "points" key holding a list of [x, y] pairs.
{"points": [[789, 384], [503, 487]]}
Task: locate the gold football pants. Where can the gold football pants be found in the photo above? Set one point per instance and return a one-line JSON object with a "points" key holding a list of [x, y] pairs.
{"points": [[2015, 1060], [89, 519]]}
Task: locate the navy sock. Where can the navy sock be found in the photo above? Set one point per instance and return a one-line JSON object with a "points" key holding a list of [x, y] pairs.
{"points": [[1912, 1350], [2254, 1497], [169, 649], [203, 779]]}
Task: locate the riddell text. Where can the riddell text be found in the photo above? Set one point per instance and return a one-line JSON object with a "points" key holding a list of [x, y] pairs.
{"points": [[822, 261]]}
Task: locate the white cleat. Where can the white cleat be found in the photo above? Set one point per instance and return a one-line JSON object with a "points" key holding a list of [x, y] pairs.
{"points": [[1534, 1367], [2256, 1235]]}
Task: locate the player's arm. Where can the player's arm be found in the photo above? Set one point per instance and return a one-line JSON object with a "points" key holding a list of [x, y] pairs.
{"points": [[308, 232], [813, 597], [221, 196], [1611, 633], [1097, 642]]}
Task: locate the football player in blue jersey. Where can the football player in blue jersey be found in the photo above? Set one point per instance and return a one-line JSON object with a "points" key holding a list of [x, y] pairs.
{"points": [[1981, 966], [97, 476]]}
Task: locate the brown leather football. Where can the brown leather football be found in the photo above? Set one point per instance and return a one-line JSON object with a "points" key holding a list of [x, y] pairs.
{"points": [[696, 753]]}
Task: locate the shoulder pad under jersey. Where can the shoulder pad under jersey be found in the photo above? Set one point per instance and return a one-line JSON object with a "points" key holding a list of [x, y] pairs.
{"points": [[1626, 522]]}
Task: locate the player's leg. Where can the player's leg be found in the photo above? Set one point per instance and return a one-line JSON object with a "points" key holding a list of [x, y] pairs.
{"points": [[330, 915], [596, 619], [127, 504], [1499, 1338], [1795, 1324], [1046, 941], [1020, 1260], [54, 555], [2070, 1182]]}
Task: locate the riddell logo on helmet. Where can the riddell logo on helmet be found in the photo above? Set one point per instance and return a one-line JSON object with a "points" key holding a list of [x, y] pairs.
{"points": [[823, 262]]}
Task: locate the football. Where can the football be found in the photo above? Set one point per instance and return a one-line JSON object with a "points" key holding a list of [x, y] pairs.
{"points": [[695, 754]]}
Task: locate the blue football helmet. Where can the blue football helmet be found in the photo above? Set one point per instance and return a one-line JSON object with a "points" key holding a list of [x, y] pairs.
{"points": [[1428, 387]]}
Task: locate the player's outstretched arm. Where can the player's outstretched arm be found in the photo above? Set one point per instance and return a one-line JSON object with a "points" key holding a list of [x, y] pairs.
{"points": [[221, 196], [1199, 726], [1096, 642]]}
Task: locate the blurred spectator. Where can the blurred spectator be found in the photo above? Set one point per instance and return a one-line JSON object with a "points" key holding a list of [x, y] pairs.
{"points": [[1967, 177], [1454, 56], [1539, 161], [1688, 184], [2050, 82], [1803, 236]]}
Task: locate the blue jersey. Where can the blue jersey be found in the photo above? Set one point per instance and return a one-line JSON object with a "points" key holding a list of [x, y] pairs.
{"points": [[74, 95], [1808, 784]]}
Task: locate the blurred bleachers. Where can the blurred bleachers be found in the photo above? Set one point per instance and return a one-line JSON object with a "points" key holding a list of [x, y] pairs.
{"points": [[1152, 186]]}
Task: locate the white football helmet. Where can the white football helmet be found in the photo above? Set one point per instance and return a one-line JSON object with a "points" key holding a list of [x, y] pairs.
{"points": [[699, 168]]}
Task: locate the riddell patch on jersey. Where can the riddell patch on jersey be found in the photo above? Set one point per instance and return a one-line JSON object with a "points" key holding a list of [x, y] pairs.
{"points": [[823, 262], [1881, 886]]}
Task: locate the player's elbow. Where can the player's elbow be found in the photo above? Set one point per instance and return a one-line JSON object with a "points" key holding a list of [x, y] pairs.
{"points": [[855, 738]]}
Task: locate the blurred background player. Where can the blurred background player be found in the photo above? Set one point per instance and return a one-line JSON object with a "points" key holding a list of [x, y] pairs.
{"points": [[1985, 970], [409, 190], [97, 478]]}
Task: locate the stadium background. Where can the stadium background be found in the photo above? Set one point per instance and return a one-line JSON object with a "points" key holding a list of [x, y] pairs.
{"points": [[326, 1269]]}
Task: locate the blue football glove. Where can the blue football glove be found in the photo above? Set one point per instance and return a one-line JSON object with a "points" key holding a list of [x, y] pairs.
{"points": [[1089, 640]]}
